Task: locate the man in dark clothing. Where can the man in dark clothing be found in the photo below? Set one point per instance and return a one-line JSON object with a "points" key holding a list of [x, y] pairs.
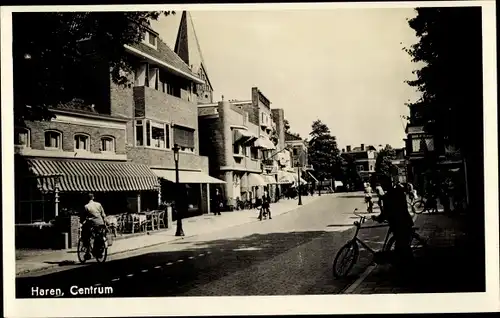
{"points": [[395, 212], [217, 202]]}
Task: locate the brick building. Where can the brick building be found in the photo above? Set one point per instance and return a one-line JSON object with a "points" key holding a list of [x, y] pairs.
{"points": [[114, 139], [365, 158]]}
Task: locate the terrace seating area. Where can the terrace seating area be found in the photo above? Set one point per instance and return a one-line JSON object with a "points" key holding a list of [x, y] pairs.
{"points": [[129, 223]]}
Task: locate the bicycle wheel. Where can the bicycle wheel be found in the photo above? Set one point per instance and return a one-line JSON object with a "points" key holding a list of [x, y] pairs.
{"points": [[102, 253], [81, 251], [345, 259], [418, 207]]}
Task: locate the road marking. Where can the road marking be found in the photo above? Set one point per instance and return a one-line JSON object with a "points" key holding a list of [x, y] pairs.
{"points": [[96, 285], [358, 281], [209, 252], [190, 257], [158, 266], [144, 270], [130, 275], [169, 263], [201, 254], [115, 279], [180, 260]]}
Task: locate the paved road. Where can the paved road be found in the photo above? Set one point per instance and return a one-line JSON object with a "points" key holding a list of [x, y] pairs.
{"points": [[289, 255]]}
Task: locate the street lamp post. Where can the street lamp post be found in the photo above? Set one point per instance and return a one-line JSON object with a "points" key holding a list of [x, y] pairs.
{"points": [[179, 231], [319, 190], [298, 175]]}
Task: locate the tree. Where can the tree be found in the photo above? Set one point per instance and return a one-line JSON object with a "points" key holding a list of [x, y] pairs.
{"points": [[451, 89], [350, 174], [323, 152], [384, 169], [49, 47], [287, 126]]}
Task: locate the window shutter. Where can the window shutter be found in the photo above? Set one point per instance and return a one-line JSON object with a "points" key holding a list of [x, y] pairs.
{"points": [[184, 137]]}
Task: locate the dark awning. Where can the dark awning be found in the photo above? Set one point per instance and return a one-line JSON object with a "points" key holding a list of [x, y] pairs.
{"points": [[93, 176]]}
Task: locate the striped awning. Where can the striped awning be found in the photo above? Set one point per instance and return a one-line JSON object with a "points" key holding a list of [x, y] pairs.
{"points": [[92, 176]]}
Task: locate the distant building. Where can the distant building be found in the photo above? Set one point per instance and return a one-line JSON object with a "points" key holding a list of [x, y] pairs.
{"points": [[365, 158]]}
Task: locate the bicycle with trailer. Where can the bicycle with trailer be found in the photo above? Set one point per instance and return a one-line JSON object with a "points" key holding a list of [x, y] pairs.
{"points": [[348, 254]]}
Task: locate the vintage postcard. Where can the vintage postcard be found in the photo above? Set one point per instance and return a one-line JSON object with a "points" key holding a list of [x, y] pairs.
{"points": [[320, 158]]}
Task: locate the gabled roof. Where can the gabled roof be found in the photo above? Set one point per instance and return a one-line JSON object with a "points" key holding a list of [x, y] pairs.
{"points": [[165, 54], [188, 48]]}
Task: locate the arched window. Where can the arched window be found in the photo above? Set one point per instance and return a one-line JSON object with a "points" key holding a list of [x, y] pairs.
{"points": [[107, 144], [82, 142], [22, 137], [53, 139]]}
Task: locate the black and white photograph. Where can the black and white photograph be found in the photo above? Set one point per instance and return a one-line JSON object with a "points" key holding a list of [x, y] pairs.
{"points": [[168, 159]]}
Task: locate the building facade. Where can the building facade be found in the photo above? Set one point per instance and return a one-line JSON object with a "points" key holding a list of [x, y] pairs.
{"points": [[365, 158]]}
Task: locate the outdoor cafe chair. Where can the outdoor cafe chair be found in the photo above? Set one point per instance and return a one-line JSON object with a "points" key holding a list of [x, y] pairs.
{"points": [[161, 220]]}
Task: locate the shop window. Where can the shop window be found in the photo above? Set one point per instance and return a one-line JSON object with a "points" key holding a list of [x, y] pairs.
{"points": [[107, 144], [82, 142], [22, 137], [53, 139]]}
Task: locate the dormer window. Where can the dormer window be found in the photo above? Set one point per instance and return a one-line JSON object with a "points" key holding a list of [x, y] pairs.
{"points": [[150, 39]]}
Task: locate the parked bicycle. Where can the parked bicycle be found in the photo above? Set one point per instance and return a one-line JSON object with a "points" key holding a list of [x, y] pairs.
{"points": [[98, 245], [423, 205], [348, 254]]}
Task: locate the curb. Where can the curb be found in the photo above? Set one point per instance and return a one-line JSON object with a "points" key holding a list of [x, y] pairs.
{"points": [[35, 270]]}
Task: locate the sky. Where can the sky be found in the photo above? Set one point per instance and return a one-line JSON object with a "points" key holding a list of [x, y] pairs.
{"points": [[344, 66]]}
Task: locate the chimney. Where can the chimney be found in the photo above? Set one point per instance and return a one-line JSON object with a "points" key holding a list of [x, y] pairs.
{"points": [[362, 147], [348, 148]]}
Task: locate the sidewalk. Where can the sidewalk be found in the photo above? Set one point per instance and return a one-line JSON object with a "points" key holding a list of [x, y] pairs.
{"points": [[202, 224], [446, 266]]}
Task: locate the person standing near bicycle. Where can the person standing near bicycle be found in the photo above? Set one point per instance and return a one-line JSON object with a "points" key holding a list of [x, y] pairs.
{"points": [[92, 217], [396, 213]]}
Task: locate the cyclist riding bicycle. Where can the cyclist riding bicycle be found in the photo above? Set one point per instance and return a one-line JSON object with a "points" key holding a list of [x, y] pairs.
{"points": [[93, 216], [395, 212]]}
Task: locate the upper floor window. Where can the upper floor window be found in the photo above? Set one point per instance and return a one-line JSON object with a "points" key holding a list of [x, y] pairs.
{"points": [[150, 39], [22, 137], [107, 144], [422, 144], [82, 142], [360, 168], [152, 134], [53, 139], [184, 137]]}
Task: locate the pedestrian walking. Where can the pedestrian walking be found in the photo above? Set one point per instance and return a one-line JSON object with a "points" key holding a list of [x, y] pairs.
{"points": [[368, 197], [265, 207], [380, 194], [217, 202]]}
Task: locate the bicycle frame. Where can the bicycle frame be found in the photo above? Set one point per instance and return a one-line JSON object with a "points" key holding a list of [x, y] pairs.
{"points": [[359, 227]]}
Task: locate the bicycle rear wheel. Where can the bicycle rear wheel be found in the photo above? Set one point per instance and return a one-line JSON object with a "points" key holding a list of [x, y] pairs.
{"points": [[345, 259], [417, 242]]}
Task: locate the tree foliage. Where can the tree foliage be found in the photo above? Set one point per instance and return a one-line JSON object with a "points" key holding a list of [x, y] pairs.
{"points": [[350, 173], [450, 81], [50, 47], [384, 168], [323, 152]]}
